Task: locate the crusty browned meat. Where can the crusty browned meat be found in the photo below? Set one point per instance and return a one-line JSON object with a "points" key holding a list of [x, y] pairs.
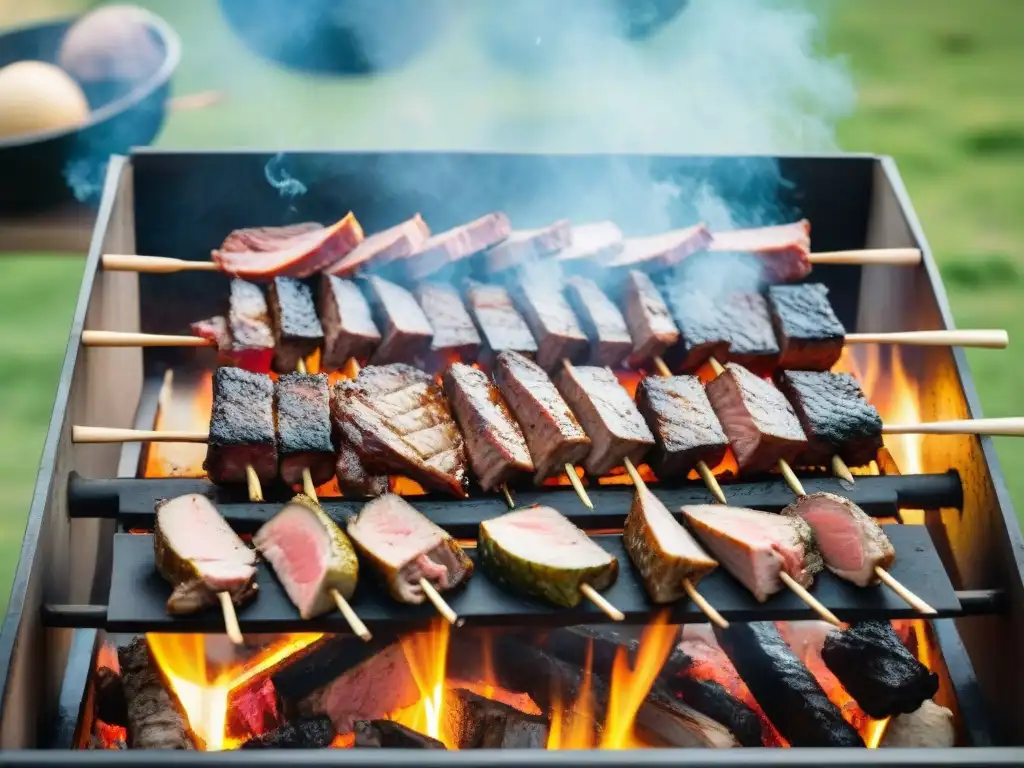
{"points": [[601, 321], [456, 244], [551, 321], [396, 242], [660, 251], [349, 330], [241, 427], [751, 337], [297, 329], [784, 250], [406, 330], [353, 478], [501, 326], [244, 337], [734, 326], [649, 321], [809, 333], [523, 246], [304, 427], [454, 332]]}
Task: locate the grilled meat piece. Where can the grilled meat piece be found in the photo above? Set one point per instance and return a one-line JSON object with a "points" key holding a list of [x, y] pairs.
{"points": [[685, 427], [758, 420], [388, 734], [349, 330], [299, 255], [456, 244], [649, 321], [850, 541], [310, 554], [662, 550], [553, 435], [304, 427], [551, 321], [297, 329], [523, 246], [479, 723], [609, 416], [495, 443], [755, 547], [500, 324], [244, 338], [784, 250], [539, 552], [928, 727], [407, 332], [751, 337], [404, 547], [316, 733], [353, 477], [197, 552], [735, 326], [397, 420], [661, 251], [454, 332], [836, 417], [266, 239], [784, 687], [594, 242], [602, 323], [397, 242], [877, 669], [809, 333], [241, 427]]}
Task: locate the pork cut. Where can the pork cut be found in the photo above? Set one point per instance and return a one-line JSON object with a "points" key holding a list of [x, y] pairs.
{"points": [[380, 248], [241, 427], [303, 407], [809, 333], [524, 246], [297, 329], [501, 326], [601, 321], [662, 250], [267, 239], [783, 250], [647, 316], [550, 320], [456, 244], [454, 332], [594, 242], [406, 331], [349, 329]]}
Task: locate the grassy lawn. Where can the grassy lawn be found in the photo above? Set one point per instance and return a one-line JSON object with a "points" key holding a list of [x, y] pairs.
{"points": [[939, 87]]}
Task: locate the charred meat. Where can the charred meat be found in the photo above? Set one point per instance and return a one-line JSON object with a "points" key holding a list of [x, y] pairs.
{"points": [[735, 326], [454, 332], [245, 337], [523, 246], [539, 552], [609, 416], [685, 427], [407, 332], [198, 553], [809, 333], [760, 423], [661, 251], [353, 478], [500, 324], [551, 321], [241, 427], [553, 434], [457, 244], [397, 242], [297, 329], [751, 337], [594, 242], [304, 427], [601, 321], [755, 547], [649, 321], [784, 250], [404, 547], [349, 330], [495, 443]]}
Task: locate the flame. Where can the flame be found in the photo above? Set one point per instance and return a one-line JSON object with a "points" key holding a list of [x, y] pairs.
{"points": [[572, 724], [185, 407], [427, 655]]}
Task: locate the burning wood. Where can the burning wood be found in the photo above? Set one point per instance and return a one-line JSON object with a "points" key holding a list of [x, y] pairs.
{"points": [[315, 733], [110, 706], [155, 717], [929, 726], [475, 722], [392, 735]]}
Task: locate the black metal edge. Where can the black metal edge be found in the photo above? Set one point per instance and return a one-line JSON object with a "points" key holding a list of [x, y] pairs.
{"points": [[975, 719], [44, 479], [65, 733]]}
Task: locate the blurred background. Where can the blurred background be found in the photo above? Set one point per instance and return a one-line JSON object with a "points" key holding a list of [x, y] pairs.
{"points": [[938, 85]]}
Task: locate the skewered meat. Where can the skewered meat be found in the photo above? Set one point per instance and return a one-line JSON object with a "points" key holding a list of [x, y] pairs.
{"points": [[295, 254], [662, 550], [783, 250], [397, 420], [266, 239], [310, 555], [609, 416], [479, 723], [836, 417], [553, 435], [349, 330], [304, 427], [198, 553], [852, 544], [809, 333], [596, 241], [928, 727], [388, 734], [751, 337], [317, 733], [735, 326], [784, 687], [601, 321], [454, 332], [241, 427], [663, 250], [245, 337], [755, 547], [758, 420], [649, 321], [156, 718], [523, 246], [495, 444], [685, 427], [550, 320], [407, 332], [383, 247], [539, 552], [500, 324], [404, 547], [878, 670], [456, 244], [297, 329], [353, 477]]}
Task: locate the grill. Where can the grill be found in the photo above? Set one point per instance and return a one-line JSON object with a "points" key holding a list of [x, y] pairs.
{"points": [[85, 584]]}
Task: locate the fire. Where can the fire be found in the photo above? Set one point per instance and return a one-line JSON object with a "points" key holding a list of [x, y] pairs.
{"points": [[184, 406], [427, 654], [572, 723]]}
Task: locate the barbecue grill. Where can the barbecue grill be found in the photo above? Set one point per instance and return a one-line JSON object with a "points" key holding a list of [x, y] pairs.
{"points": [[85, 570]]}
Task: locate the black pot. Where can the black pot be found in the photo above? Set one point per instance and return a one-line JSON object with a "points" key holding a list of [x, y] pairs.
{"points": [[43, 170]]}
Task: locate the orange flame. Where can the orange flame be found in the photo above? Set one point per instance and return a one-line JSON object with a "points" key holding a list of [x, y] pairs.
{"points": [[572, 724], [427, 654]]}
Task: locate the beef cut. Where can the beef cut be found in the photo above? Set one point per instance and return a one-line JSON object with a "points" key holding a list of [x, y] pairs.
{"points": [[783, 250], [349, 330], [751, 337], [761, 425], [733, 326], [809, 333], [592, 243], [241, 427], [501, 326], [297, 329], [245, 337], [647, 316], [397, 242], [601, 321], [304, 427], [661, 251], [524, 246], [353, 478], [456, 244], [551, 321], [406, 331], [454, 332]]}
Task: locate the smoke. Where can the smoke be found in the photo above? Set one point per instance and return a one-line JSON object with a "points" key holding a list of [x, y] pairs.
{"points": [[280, 179]]}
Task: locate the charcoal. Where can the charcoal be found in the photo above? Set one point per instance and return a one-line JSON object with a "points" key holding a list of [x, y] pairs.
{"points": [[110, 706], [501, 326], [155, 717], [551, 321], [406, 331], [476, 722], [304, 427], [454, 332], [809, 333], [349, 330], [650, 323], [878, 670], [241, 427], [297, 329], [314, 733], [388, 734]]}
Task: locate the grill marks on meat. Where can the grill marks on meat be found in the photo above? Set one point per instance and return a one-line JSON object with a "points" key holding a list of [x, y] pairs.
{"points": [[524, 246], [495, 443], [553, 434], [685, 427], [760, 423], [245, 337], [298, 251], [297, 329], [454, 332], [404, 547], [662, 250], [397, 242], [397, 420], [241, 427], [809, 333], [596, 241], [349, 330], [500, 324], [783, 250], [647, 316], [407, 332], [551, 321], [601, 321], [609, 416], [836, 417], [304, 427], [456, 244]]}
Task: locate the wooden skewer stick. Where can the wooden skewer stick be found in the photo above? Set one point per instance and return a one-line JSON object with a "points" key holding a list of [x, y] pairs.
{"points": [[234, 632], [791, 479], [1009, 427], [154, 265], [985, 338], [598, 600], [912, 600], [252, 480], [897, 257], [570, 470], [439, 602], [508, 496], [127, 339], [840, 470], [812, 602], [117, 435]]}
